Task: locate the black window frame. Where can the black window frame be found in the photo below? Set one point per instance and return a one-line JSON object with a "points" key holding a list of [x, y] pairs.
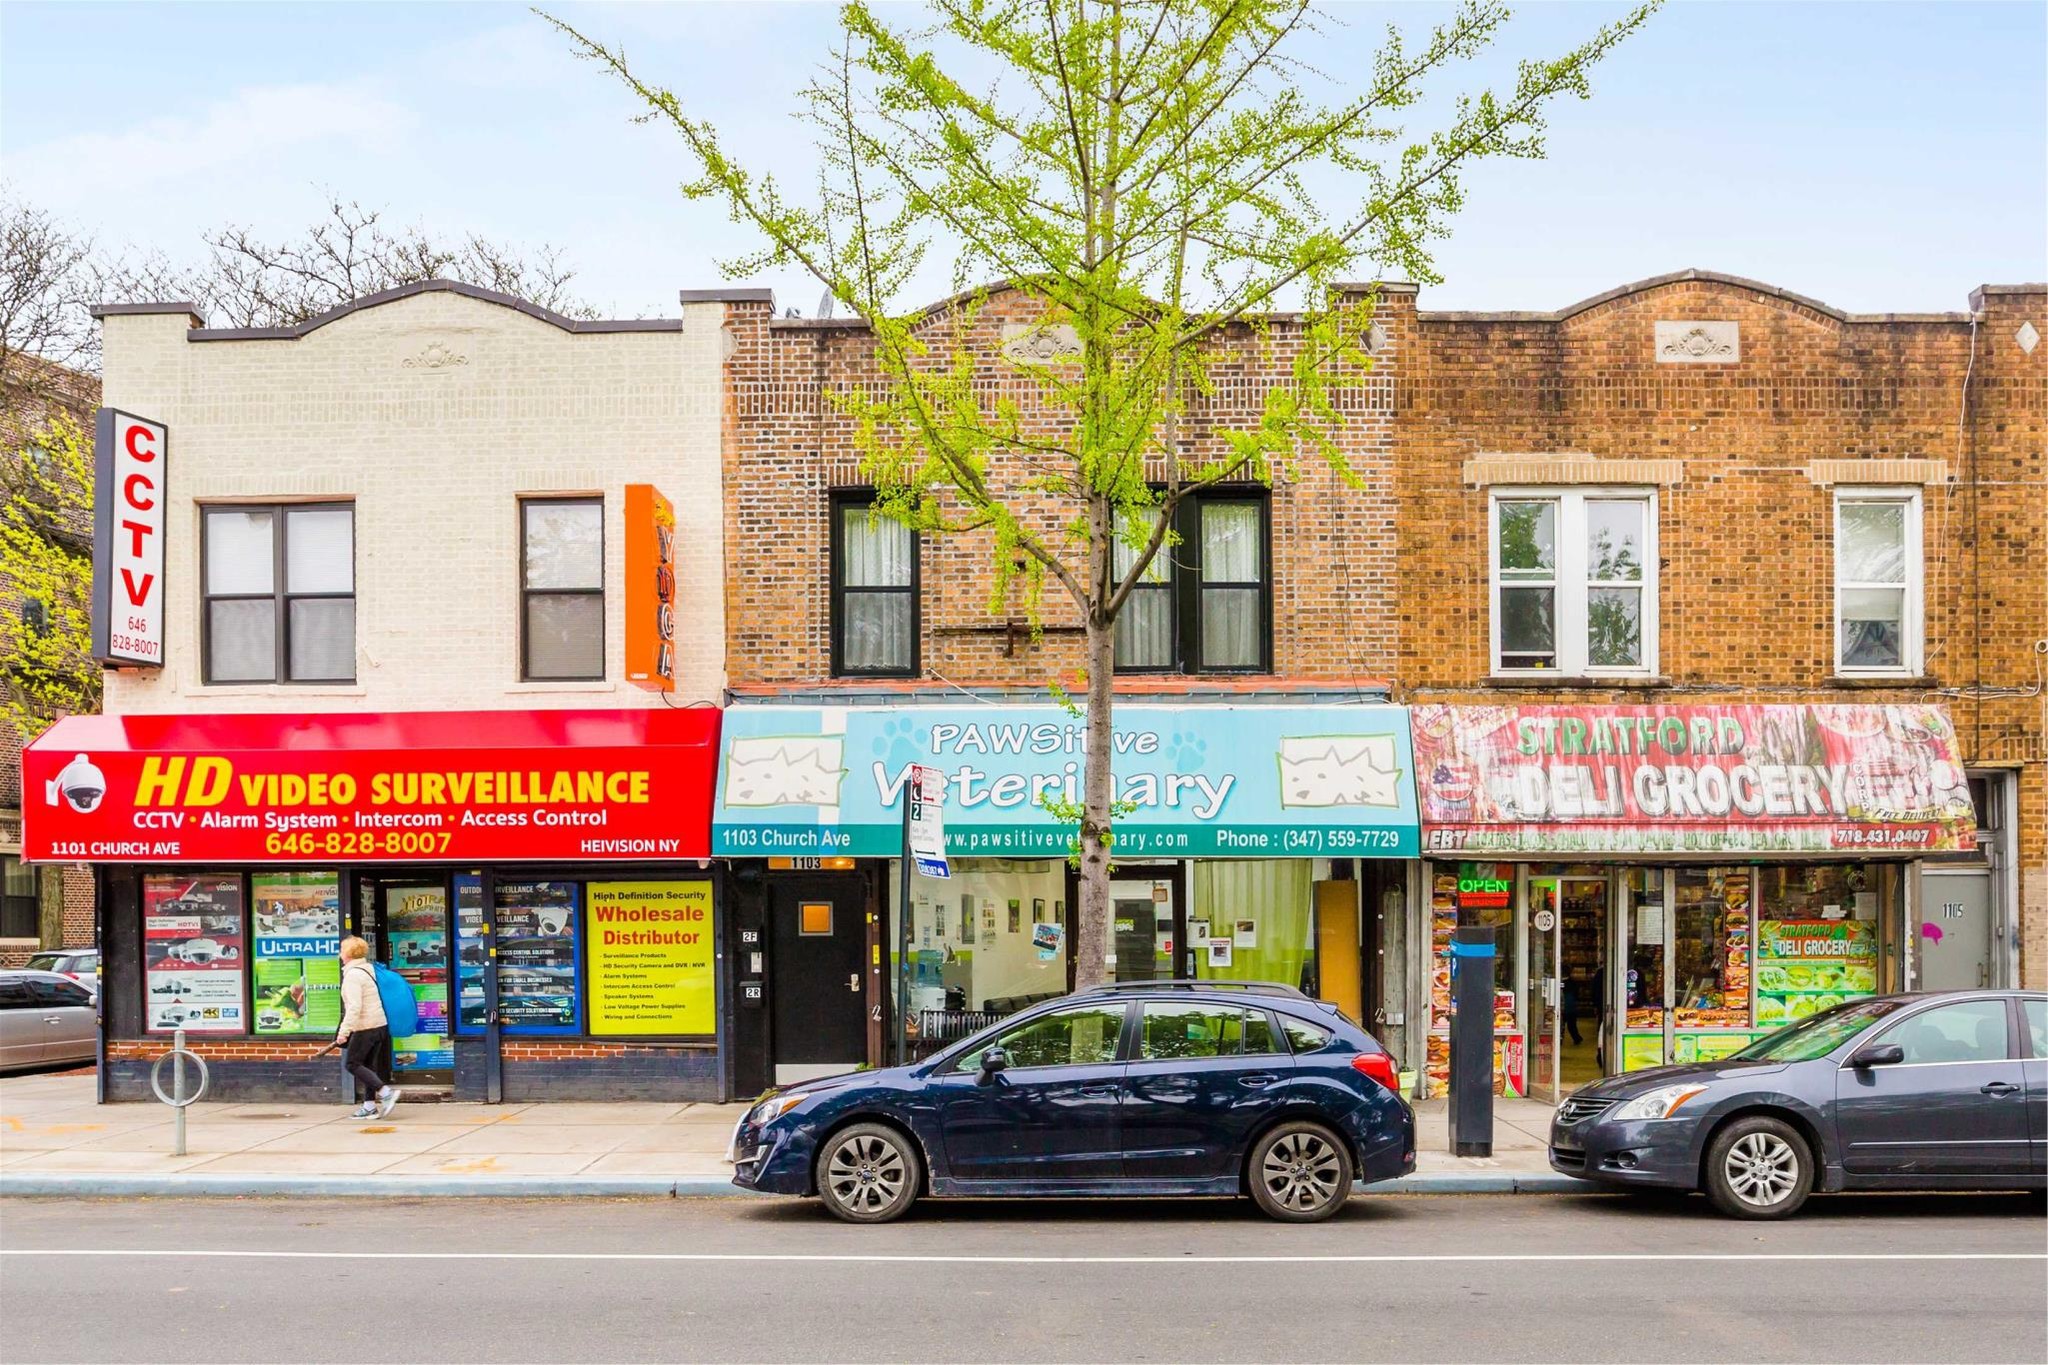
{"points": [[838, 505], [527, 594], [1184, 582], [14, 902], [279, 595]]}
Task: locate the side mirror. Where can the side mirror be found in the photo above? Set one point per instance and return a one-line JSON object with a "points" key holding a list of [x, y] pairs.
{"points": [[992, 1061], [1878, 1054]]}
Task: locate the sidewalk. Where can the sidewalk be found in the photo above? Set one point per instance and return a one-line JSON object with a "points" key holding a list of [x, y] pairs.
{"points": [[55, 1140]]}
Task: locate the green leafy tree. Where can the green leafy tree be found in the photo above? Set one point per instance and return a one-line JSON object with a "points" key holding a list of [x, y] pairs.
{"points": [[1152, 176], [46, 555]]}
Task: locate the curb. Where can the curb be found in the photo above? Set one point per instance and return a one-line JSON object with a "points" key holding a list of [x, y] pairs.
{"points": [[179, 1186]]}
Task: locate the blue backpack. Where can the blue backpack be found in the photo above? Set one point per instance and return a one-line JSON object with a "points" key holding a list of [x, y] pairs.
{"points": [[401, 1007]]}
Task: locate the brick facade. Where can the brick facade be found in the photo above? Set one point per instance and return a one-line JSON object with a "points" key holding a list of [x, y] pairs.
{"points": [[1744, 457], [32, 392]]}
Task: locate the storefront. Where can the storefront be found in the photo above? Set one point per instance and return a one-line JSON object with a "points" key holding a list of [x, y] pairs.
{"points": [[1255, 841], [1669, 882], [540, 878]]}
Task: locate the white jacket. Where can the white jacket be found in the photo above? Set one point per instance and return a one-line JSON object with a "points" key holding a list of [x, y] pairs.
{"points": [[361, 1006]]}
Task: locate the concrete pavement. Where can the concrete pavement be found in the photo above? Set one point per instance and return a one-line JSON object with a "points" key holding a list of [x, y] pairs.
{"points": [[55, 1140], [1585, 1279]]}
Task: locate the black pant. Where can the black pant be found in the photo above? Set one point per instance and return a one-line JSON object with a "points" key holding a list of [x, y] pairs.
{"points": [[369, 1060]]}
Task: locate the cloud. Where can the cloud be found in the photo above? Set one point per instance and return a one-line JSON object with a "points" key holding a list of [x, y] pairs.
{"points": [[249, 127]]}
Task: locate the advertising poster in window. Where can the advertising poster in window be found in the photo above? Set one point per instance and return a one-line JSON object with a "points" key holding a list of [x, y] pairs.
{"points": [[651, 959], [192, 953], [1806, 966], [416, 930], [470, 953], [537, 956], [295, 969]]}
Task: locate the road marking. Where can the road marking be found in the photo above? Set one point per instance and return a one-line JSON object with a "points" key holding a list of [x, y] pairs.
{"points": [[885, 1259]]}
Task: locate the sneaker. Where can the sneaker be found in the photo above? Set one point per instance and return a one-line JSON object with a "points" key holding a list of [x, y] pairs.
{"points": [[366, 1110], [387, 1100]]}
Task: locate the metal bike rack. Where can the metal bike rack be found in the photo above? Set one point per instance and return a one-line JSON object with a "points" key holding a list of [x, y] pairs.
{"points": [[178, 1099]]}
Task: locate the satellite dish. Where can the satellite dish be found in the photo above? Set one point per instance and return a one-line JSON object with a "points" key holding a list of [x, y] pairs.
{"points": [[825, 305]]}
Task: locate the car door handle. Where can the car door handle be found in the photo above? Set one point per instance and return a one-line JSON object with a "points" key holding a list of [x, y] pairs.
{"points": [[1257, 1078], [2000, 1088]]}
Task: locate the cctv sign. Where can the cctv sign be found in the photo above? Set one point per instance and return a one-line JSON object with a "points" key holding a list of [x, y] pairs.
{"points": [[128, 540]]}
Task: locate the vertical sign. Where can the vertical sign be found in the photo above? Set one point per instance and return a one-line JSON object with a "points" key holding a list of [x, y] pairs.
{"points": [[926, 825], [129, 458], [650, 588]]}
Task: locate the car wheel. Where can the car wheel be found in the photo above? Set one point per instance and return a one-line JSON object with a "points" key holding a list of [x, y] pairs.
{"points": [[1758, 1168], [868, 1173], [1299, 1173]]}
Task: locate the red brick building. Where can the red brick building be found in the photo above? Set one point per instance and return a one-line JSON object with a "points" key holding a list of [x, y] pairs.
{"points": [[1728, 433]]}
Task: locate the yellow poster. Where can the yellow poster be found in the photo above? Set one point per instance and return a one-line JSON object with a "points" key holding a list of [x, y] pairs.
{"points": [[652, 962]]}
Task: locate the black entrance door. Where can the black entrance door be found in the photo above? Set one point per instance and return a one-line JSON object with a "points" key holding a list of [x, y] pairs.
{"points": [[817, 979]]}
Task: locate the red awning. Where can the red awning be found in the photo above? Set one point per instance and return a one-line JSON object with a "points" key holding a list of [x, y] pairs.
{"points": [[418, 786], [1698, 780]]}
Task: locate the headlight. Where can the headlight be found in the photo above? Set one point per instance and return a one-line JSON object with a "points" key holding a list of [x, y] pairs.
{"points": [[1661, 1103], [774, 1107]]}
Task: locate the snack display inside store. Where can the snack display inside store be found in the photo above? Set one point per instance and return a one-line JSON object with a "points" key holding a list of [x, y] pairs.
{"points": [[1474, 893]]}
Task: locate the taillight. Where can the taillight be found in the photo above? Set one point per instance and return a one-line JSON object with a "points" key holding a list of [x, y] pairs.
{"points": [[1380, 1066]]}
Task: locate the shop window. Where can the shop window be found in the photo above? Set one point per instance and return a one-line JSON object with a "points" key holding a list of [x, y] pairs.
{"points": [[1877, 581], [18, 900], [192, 957], [1817, 939], [992, 941], [1255, 921], [280, 601], [1574, 583], [1710, 947], [1177, 1032], [294, 965], [537, 966], [1204, 603], [561, 553], [1071, 1037], [1967, 1031], [874, 591]]}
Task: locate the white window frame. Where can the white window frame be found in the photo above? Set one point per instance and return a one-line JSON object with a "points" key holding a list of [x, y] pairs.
{"points": [[1571, 579], [1912, 640]]}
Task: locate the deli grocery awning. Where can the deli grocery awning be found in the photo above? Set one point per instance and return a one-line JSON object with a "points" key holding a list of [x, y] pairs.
{"points": [[1208, 780], [1572, 781], [472, 786]]}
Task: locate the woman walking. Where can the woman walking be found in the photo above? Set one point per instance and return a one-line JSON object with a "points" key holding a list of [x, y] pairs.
{"points": [[365, 1032]]}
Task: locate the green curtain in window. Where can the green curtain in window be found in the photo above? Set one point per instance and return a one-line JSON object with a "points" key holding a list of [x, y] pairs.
{"points": [[1278, 897]]}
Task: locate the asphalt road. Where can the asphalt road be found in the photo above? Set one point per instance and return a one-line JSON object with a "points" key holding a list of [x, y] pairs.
{"points": [[1474, 1278]]}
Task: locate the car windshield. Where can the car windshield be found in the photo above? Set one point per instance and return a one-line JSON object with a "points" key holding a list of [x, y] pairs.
{"points": [[1817, 1035]]}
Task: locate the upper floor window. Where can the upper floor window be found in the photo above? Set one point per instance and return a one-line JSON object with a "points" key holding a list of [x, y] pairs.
{"points": [[1574, 582], [1877, 581], [280, 593], [874, 591], [1204, 605], [561, 553]]}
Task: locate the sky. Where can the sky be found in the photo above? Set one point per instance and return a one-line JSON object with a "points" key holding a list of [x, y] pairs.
{"points": [[1878, 157]]}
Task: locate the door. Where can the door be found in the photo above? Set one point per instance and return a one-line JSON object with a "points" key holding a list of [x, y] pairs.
{"points": [[68, 1018], [1141, 916], [413, 940], [21, 1025], [2034, 1035], [1545, 1018], [1954, 944], [1955, 1106], [1052, 1114], [1202, 1077], [817, 981]]}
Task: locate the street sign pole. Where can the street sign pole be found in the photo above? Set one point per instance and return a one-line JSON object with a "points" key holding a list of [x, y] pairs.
{"points": [[924, 853]]}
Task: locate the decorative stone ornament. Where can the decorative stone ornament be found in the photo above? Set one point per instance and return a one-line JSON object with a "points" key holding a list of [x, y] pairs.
{"points": [[2027, 337], [434, 355], [1698, 343], [1038, 344]]}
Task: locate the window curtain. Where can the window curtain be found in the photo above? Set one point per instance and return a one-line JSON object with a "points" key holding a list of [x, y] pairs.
{"points": [[1277, 896]]}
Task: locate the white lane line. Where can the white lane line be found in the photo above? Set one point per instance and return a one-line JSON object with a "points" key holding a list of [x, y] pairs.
{"points": [[883, 1259]]}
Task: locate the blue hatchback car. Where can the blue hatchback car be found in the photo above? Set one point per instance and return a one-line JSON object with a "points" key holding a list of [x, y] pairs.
{"points": [[1141, 1088]]}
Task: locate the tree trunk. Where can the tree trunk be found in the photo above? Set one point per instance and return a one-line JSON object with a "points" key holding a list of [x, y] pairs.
{"points": [[1091, 929]]}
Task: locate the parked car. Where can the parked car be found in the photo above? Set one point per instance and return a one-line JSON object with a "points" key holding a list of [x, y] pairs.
{"points": [[1142, 1088], [45, 1020], [1937, 1091], [80, 964]]}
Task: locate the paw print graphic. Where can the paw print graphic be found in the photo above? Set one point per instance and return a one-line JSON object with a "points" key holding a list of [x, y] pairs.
{"points": [[1187, 752], [897, 744]]}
